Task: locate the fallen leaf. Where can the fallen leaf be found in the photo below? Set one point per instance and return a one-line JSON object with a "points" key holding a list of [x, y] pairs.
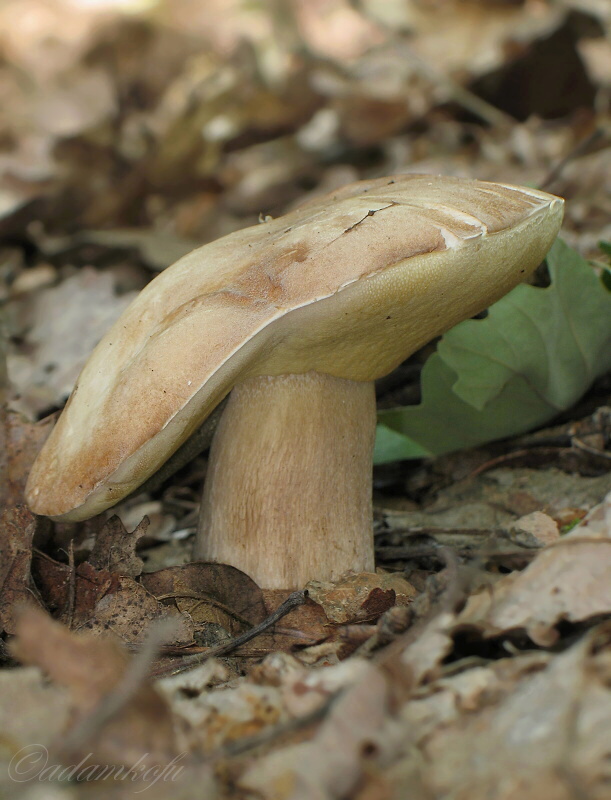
{"points": [[59, 326], [539, 527], [19, 444], [115, 548], [541, 737], [90, 668], [104, 601], [423, 657], [31, 708], [360, 597], [568, 580], [210, 593], [331, 764], [127, 609]]}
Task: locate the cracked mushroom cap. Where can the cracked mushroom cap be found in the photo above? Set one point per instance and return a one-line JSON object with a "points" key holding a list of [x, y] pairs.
{"points": [[349, 284]]}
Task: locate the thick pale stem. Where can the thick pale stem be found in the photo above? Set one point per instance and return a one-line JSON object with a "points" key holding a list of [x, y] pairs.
{"points": [[288, 492]]}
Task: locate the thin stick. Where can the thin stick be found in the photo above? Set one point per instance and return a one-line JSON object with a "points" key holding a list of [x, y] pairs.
{"points": [[206, 599], [293, 601], [282, 729], [594, 451]]}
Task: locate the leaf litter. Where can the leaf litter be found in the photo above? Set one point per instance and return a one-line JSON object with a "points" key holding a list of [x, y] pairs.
{"points": [[475, 662]]}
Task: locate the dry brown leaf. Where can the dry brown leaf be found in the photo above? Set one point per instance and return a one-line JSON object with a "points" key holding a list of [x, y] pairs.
{"points": [[221, 717], [360, 597], [497, 497], [75, 596], [543, 737], [422, 658], [19, 444], [82, 101], [91, 668], [157, 249], [127, 610], [306, 690], [106, 600], [539, 527], [333, 28], [210, 593], [31, 709], [330, 765], [115, 548], [61, 326], [568, 580]]}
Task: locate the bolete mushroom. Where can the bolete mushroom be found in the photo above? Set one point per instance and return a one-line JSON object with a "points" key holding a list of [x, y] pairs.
{"points": [[296, 318]]}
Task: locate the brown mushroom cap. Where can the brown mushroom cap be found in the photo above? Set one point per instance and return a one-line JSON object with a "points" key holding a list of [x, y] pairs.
{"points": [[349, 285]]}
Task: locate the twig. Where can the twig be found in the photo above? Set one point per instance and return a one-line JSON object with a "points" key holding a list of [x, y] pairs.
{"points": [[405, 554], [293, 601], [567, 541], [206, 599], [593, 451], [516, 454], [268, 735]]}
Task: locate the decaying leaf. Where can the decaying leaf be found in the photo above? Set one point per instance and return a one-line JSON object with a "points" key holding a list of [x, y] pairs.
{"points": [[360, 597], [127, 609], [567, 581], [330, 765], [210, 593], [91, 668], [102, 594], [60, 326], [115, 548], [20, 441], [528, 736]]}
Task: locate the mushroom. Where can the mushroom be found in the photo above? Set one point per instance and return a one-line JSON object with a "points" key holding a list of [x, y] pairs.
{"points": [[296, 318]]}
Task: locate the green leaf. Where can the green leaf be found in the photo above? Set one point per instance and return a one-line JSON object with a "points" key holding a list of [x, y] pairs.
{"points": [[534, 355]]}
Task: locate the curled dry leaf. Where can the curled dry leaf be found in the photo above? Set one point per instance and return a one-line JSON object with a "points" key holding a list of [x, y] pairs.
{"points": [[568, 580], [331, 764], [360, 597], [19, 444], [91, 668], [115, 548], [59, 327], [210, 593], [541, 733]]}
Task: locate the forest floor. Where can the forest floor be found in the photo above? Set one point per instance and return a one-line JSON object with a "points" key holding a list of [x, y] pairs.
{"points": [[476, 661]]}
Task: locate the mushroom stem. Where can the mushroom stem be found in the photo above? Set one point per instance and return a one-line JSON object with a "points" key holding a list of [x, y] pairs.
{"points": [[288, 491]]}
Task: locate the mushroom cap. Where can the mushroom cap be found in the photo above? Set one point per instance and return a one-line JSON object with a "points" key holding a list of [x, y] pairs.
{"points": [[349, 284]]}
